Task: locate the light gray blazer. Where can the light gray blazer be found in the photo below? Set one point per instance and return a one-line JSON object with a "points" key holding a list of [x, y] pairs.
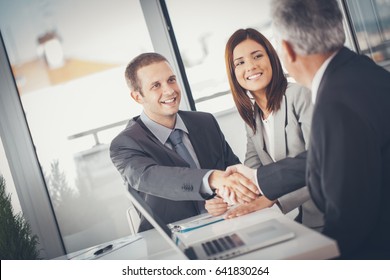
{"points": [[292, 131]]}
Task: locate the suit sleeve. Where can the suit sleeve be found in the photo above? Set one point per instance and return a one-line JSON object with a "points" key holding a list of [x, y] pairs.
{"points": [[344, 174], [282, 177], [277, 180], [144, 174]]}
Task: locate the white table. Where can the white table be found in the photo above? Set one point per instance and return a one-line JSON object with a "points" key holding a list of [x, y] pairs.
{"points": [[307, 244]]}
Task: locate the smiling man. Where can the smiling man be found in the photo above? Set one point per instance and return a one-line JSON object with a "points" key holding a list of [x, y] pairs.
{"points": [[174, 158]]}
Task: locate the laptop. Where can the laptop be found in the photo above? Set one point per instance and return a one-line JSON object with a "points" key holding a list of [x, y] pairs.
{"points": [[223, 246]]}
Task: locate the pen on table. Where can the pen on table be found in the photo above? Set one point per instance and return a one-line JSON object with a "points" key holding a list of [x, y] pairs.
{"points": [[103, 250]]}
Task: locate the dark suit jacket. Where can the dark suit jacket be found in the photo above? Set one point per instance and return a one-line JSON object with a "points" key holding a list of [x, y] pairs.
{"points": [[167, 183], [349, 155]]}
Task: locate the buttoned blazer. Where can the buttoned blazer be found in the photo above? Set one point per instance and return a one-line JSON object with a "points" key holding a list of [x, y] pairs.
{"points": [[162, 177], [291, 135], [349, 155]]}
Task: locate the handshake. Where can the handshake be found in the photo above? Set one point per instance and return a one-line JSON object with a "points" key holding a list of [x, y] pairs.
{"points": [[236, 185]]}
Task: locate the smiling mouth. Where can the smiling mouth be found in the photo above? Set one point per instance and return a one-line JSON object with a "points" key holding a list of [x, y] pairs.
{"points": [[169, 101], [255, 76]]}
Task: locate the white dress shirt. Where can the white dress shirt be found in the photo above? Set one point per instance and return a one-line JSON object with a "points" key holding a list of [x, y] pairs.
{"points": [[318, 77]]}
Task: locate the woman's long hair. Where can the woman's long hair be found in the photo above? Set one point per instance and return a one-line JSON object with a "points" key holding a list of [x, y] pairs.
{"points": [[274, 91]]}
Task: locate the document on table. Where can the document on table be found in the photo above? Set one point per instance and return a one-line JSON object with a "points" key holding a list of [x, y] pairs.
{"points": [[99, 251], [192, 224]]}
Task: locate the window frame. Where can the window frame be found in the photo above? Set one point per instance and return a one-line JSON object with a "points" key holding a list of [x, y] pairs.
{"points": [[23, 162]]}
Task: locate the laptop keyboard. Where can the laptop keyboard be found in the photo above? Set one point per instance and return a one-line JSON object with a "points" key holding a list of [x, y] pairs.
{"points": [[222, 244]]}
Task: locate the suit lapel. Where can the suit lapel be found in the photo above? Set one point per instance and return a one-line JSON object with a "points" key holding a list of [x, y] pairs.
{"points": [[279, 131], [148, 133]]}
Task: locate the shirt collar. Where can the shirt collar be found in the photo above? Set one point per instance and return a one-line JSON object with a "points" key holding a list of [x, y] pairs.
{"points": [[315, 84], [161, 132]]}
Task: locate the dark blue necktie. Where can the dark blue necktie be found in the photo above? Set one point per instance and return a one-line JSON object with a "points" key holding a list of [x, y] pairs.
{"points": [[180, 148]]}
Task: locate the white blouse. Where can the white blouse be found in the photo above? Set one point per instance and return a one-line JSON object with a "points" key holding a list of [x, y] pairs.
{"points": [[269, 134]]}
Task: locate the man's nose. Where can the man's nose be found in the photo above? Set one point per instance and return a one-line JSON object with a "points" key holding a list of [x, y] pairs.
{"points": [[167, 89]]}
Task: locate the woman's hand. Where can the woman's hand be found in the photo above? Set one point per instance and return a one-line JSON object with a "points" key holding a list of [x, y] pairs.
{"points": [[242, 209]]}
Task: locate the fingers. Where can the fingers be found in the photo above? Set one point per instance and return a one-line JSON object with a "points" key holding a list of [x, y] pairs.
{"points": [[230, 170], [260, 203], [227, 195], [244, 170], [249, 184], [232, 199], [243, 188], [240, 210], [216, 206]]}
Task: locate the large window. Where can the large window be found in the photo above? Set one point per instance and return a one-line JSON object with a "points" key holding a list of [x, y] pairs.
{"points": [[68, 60], [202, 29], [370, 22]]}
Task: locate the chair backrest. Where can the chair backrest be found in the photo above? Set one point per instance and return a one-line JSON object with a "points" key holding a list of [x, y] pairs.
{"points": [[133, 219]]}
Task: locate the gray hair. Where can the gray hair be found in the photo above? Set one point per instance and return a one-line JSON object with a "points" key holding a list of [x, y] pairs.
{"points": [[311, 26], [142, 60]]}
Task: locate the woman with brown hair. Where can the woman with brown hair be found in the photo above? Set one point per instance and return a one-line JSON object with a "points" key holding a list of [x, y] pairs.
{"points": [[277, 116]]}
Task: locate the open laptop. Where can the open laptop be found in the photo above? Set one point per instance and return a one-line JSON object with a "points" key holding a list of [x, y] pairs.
{"points": [[224, 246]]}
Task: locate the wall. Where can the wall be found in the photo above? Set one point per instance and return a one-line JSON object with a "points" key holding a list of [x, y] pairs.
{"points": [[233, 128]]}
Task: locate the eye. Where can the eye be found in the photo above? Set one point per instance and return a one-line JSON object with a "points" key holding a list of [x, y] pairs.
{"points": [[258, 56], [238, 63], [155, 85], [172, 80]]}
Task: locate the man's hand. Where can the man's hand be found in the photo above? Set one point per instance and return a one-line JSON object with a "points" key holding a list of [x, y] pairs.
{"points": [[244, 170], [216, 206], [243, 209], [244, 189]]}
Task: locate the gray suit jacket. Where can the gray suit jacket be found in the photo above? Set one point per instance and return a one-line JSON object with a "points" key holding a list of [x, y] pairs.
{"points": [[292, 129], [164, 179]]}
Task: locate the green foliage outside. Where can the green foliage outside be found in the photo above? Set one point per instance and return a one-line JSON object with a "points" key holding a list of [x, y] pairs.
{"points": [[16, 239]]}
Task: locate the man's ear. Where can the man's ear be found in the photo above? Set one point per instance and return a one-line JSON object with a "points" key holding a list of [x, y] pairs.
{"points": [[289, 51], [137, 96]]}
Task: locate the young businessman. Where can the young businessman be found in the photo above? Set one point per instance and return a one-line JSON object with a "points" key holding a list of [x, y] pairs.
{"points": [[348, 163], [152, 161]]}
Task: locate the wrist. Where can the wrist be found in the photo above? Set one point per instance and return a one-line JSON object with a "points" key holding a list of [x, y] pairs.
{"points": [[215, 180]]}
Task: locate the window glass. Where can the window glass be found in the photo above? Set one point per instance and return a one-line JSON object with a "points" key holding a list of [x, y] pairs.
{"points": [[202, 29], [5, 172], [68, 59], [371, 25]]}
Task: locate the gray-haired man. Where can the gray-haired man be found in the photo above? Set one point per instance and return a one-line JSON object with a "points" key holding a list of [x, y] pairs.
{"points": [[348, 167]]}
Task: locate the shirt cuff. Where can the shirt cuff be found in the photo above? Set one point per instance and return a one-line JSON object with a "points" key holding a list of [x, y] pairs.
{"points": [[256, 180], [205, 189]]}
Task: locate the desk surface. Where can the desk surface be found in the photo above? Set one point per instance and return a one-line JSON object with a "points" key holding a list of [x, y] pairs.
{"points": [[307, 244]]}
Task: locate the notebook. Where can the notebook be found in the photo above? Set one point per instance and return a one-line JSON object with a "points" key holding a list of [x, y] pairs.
{"points": [[224, 246]]}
